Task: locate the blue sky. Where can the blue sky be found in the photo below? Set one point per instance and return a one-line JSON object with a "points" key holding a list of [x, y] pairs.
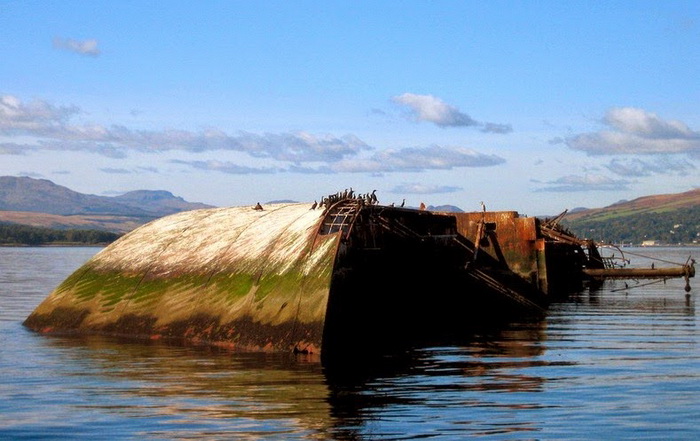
{"points": [[535, 106]]}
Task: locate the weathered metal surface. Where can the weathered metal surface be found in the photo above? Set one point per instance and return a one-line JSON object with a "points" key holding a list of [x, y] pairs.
{"points": [[567, 260], [243, 278], [640, 273], [297, 277], [334, 275], [403, 275], [511, 240], [508, 238]]}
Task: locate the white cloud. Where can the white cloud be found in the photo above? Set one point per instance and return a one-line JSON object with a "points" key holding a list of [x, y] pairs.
{"points": [[646, 124], [389, 161], [557, 140], [52, 128], [419, 159], [416, 188], [321, 170], [118, 171], [496, 128], [227, 167], [82, 47], [635, 131], [35, 117], [432, 109], [635, 167], [10, 148], [575, 183]]}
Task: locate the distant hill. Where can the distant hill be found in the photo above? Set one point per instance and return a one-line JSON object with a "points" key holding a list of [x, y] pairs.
{"points": [[43, 196], [665, 218], [577, 210], [42, 203], [158, 202], [661, 203], [445, 208]]}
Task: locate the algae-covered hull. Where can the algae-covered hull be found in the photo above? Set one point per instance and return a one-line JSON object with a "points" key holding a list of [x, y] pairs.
{"points": [[239, 277]]}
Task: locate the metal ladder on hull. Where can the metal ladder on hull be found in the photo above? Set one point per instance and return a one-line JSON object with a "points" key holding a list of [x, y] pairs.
{"points": [[340, 217]]}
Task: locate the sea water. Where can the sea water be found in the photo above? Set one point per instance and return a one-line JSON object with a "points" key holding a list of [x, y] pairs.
{"points": [[618, 362]]}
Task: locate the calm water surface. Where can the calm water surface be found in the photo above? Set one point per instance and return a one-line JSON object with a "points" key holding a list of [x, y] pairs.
{"points": [[611, 363]]}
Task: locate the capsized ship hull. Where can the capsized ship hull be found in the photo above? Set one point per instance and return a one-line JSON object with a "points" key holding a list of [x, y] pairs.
{"points": [[297, 277], [243, 278]]}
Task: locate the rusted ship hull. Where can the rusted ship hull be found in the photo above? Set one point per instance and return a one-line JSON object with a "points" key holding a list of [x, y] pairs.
{"points": [[407, 275], [344, 276]]}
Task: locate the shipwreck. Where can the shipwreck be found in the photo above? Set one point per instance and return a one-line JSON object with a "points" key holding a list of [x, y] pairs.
{"points": [[343, 275]]}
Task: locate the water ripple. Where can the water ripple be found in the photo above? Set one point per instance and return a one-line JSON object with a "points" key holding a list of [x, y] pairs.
{"points": [[606, 364]]}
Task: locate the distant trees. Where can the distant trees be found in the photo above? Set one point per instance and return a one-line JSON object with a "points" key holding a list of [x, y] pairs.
{"points": [[672, 227], [17, 234]]}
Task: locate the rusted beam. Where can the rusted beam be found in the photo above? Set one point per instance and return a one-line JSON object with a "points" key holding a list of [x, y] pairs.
{"points": [[640, 273]]}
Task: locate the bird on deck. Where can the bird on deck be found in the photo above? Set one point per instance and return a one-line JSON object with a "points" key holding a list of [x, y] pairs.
{"points": [[258, 207], [403, 203], [313, 207]]}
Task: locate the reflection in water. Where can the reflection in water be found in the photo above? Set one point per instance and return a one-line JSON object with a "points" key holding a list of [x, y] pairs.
{"points": [[194, 389], [606, 364], [198, 388], [415, 387], [633, 297]]}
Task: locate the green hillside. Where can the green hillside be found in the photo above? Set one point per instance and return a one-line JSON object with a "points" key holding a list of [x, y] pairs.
{"points": [[666, 219]]}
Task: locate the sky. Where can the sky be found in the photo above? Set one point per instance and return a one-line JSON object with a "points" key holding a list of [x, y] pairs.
{"points": [[531, 106]]}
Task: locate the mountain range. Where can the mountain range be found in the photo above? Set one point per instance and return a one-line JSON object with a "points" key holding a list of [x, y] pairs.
{"points": [[42, 203]]}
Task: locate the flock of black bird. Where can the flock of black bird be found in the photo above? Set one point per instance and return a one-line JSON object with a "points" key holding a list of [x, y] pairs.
{"points": [[347, 194]]}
